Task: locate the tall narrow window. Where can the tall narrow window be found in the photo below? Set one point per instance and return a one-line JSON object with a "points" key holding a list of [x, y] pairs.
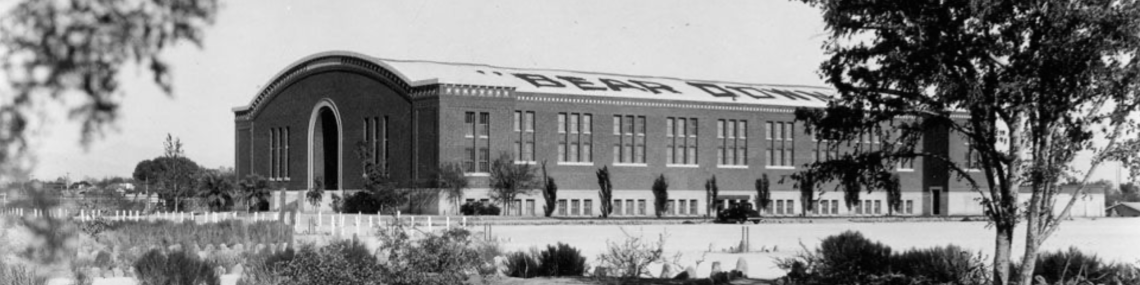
{"points": [[386, 149], [587, 138], [669, 141], [523, 146], [273, 153], [285, 165], [484, 142]]}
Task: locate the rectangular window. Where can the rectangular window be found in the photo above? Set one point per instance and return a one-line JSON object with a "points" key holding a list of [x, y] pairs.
{"points": [[681, 207], [562, 207], [629, 210], [285, 153], [858, 208], [910, 206], [588, 208], [617, 207], [670, 208], [693, 207], [530, 207], [272, 153], [867, 207], [822, 207], [878, 207], [574, 210], [641, 207], [834, 207], [791, 207], [779, 207]]}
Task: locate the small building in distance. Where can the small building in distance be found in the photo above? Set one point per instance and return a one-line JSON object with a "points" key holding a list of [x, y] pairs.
{"points": [[1124, 209], [314, 119]]}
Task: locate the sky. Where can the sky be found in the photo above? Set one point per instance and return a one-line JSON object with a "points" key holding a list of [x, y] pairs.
{"points": [[774, 42]]}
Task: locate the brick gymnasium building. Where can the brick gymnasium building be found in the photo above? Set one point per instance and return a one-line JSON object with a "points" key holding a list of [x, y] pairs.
{"points": [[413, 116]]}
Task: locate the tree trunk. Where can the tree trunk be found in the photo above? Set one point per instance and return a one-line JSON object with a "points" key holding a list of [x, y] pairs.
{"points": [[1004, 244], [1029, 261]]}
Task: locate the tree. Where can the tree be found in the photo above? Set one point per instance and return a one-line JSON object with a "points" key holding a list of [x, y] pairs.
{"points": [[453, 182], [605, 191], [549, 192], [216, 187], [894, 195], [806, 184], [660, 194], [763, 192], [711, 193], [55, 48], [255, 191], [1043, 78], [172, 175], [317, 193], [508, 180]]}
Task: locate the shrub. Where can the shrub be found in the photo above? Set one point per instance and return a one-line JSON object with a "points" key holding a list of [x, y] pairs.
{"points": [[522, 265], [632, 257], [479, 208], [561, 260], [941, 265], [488, 250], [328, 265], [264, 269], [11, 274], [1073, 266], [362, 202], [851, 257], [177, 268], [446, 258]]}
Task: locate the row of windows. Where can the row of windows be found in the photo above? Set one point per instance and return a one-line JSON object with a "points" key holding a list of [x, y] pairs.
{"points": [[864, 207], [576, 141], [279, 154]]}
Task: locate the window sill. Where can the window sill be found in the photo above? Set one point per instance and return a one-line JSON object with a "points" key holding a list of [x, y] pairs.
{"points": [[732, 166], [683, 165], [525, 162], [631, 164], [905, 170], [477, 174], [780, 167], [565, 163]]}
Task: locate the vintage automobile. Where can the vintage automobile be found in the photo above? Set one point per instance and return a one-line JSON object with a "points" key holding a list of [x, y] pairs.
{"points": [[739, 214]]}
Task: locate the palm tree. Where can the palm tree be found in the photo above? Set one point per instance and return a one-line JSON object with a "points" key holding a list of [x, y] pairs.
{"points": [[216, 189], [255, 189]]}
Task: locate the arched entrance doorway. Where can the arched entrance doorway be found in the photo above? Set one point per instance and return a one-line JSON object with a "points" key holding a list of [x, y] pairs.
{"points": [[325, 153]]}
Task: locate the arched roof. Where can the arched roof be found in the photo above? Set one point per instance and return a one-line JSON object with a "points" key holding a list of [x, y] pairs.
{"points": [[407, 74]]}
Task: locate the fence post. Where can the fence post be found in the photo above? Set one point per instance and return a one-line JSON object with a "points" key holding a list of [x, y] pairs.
{"points": [[429, 224], [448, 222]]}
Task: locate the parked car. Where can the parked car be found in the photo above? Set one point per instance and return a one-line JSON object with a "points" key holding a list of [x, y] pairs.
{"points": [[739, 213]]}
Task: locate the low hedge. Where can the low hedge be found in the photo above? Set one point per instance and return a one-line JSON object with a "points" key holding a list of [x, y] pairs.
{"points": [[479, 209], [165, 233]]}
